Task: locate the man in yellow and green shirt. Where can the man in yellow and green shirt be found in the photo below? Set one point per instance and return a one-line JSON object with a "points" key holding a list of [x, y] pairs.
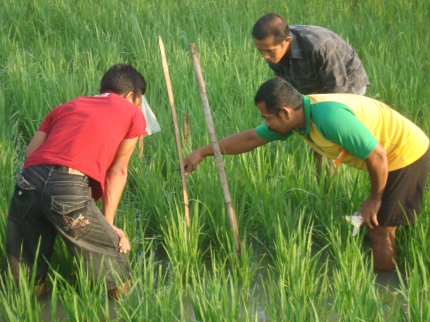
{"points": [[355, 130]]}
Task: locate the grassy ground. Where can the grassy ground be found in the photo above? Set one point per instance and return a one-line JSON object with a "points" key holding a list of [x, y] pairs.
{"points": [[299, 260]]}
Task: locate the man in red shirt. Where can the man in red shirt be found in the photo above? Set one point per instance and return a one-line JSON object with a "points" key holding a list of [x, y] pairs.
{"points": [[79, 154]]}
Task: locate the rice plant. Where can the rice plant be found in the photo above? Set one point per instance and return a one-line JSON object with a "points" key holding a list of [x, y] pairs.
{"points": [[299, 261]]}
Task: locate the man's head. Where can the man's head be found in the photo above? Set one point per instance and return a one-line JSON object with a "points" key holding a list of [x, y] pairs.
{"points": [[124, 80], [271, 36], [281, 105]]}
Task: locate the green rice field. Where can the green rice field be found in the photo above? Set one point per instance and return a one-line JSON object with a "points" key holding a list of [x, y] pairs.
{"points": [[299, 261]]}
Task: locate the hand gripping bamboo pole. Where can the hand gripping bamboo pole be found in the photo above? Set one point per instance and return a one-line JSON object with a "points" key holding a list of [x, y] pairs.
{"points": [[175, 124], [215, 146]]}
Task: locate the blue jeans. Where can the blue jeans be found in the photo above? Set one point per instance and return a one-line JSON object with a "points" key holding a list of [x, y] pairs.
{"points": [[48, 200]]}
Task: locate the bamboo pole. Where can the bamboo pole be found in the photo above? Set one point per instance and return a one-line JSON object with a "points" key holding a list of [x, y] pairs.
{"points": [[175, 124], [215, 146], [186, 131]]}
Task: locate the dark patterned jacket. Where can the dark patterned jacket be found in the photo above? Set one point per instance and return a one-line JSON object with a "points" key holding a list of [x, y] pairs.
{"points": [[320, 61]]}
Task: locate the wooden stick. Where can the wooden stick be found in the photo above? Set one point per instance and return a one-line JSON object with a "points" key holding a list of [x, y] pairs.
{"points": [[186, 131], [215, 146], [175, 124]]}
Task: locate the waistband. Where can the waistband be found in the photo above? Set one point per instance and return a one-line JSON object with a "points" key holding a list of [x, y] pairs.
{"points": [[63, 169]]}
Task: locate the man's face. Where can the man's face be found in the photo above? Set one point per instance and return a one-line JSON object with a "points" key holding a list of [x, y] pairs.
{"points": [[270, 52], [281, 124]]}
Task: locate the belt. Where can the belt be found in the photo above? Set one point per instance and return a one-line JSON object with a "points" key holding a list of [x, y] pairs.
{"points": [[63, 169]]}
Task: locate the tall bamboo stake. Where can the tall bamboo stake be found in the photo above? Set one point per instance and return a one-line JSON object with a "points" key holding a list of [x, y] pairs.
{"points": [[186, 130], [175, 124], [215, 146]]}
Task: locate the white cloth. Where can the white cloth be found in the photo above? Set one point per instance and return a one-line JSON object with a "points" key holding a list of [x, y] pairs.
{"points": [[356, 220], [152, 125]]}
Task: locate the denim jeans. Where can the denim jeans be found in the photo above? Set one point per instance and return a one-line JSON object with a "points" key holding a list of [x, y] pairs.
{"points": [[48, 200]]}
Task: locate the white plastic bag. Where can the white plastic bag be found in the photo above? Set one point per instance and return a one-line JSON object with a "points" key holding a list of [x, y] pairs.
{"points": [[152, 125], [356, 220]]}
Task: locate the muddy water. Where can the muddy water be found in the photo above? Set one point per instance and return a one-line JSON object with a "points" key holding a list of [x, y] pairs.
{"points": [[387, 284], [62, 315]]}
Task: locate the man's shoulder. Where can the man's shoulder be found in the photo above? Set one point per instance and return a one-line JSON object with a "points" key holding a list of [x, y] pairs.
{"points": [[106, 99], [310, 30], [333, 98], [327, 107], [111, 102], [313, 35], [94, 99]]}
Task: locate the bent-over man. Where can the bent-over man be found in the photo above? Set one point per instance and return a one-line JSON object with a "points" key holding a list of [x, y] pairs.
{"points": [[79, 154], [314, 60], [355, 130]]}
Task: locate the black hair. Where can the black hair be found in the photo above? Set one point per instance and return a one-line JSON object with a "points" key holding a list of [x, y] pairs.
{"points": [[277, 93], [271, 25], [121, 79]]}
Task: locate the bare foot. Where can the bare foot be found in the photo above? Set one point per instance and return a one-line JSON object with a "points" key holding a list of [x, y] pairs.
{"points": [[39, 290], [120, 291]]}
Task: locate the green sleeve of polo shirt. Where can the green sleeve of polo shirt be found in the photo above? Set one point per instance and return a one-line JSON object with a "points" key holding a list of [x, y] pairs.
{"points": [[264, 133], [337, 123]]}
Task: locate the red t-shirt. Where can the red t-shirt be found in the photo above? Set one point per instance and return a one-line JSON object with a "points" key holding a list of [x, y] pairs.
{"points": [[85, 133]]}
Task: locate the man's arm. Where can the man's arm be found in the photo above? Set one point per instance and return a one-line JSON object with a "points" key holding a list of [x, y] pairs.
{"points": [[116, 178], [37, 140], [234, 144], [377, 166]]}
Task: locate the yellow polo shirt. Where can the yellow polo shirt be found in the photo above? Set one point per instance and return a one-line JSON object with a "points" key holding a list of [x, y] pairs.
{"points": [[355, 124]]}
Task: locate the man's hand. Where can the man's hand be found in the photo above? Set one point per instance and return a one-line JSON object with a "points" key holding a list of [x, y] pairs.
{"points": [[124, 243], [192, 161], [369, 211]]}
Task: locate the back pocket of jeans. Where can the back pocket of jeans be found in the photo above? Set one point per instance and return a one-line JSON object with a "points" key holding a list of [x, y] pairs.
{"points": [[22, 200], [70, 215]]}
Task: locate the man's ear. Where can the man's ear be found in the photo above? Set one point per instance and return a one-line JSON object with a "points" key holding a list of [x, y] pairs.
{"points": [[286, 111], [287, 41], [129, 96]]}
